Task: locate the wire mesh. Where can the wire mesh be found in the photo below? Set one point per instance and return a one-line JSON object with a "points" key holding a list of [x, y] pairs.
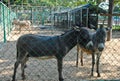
{"points": [[46, 70]]}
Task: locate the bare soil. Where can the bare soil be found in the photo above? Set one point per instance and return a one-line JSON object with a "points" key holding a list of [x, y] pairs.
{"points": [[46, 70]]}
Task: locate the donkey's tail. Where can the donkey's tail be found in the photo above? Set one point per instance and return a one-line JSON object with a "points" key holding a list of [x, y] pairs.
{"points": [[17, 54]]}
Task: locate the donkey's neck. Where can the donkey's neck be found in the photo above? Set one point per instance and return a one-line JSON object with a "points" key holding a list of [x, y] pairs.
{"points": [[69, 39]]}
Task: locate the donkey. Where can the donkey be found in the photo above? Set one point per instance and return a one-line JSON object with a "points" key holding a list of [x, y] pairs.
{"points": [[98, 39], [31, 45]]}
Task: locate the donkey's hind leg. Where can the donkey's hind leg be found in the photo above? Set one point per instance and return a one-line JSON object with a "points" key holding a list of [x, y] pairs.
{"points": [[23, 65], [77, 61], [15, 69]]}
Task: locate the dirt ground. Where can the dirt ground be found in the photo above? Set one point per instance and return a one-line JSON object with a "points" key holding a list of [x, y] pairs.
{"points": [[46, 70]]}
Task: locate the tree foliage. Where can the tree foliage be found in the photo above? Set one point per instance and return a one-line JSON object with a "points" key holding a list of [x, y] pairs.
{"points": [[66, 3]]}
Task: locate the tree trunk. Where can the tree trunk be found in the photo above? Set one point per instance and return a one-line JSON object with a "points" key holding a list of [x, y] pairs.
{"points": [[109, 34]]}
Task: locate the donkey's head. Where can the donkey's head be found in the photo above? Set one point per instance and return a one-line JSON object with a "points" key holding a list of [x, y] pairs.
{"points": [[84, 37], [100, 37]]}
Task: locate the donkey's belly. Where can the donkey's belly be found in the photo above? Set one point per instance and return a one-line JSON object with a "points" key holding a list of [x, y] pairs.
{"points": [[42, 53], [45, 57], [86, 50]]}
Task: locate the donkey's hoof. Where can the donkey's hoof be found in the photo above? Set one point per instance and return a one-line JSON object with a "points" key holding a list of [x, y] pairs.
{"points": [[98, 75], [81, 64], [25, 66], [91, 74], [23, 77], [13, 80], [61, 79]]}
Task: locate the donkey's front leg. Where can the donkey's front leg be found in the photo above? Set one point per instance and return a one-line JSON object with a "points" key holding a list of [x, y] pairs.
{"points": [[98, 62], [77, 60], [93, 63], [81, 58], [60, 63]]}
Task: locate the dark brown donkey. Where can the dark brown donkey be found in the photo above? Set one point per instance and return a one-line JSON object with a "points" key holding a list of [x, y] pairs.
{"points": [[49, 46]]}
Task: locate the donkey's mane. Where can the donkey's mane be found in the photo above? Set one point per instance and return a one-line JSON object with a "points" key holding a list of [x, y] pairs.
{"points": [[67, 31]]}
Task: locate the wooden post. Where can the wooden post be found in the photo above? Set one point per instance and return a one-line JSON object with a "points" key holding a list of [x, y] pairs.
{"points": [[109, 34]]}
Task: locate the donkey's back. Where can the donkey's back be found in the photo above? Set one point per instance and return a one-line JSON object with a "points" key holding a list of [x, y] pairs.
{"points": [[35, 45]]}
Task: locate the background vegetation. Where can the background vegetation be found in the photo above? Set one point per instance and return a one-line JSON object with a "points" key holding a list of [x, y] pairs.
{"points": [[66, 3]]}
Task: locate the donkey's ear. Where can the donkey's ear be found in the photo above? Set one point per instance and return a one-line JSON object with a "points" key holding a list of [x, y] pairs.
{"points": [[92, 26], [77, 28], [101, 26]]}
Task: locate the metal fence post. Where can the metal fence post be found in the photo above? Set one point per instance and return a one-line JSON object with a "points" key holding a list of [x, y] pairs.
{"points": [[4, 29], [43, 16], [9, 23]]}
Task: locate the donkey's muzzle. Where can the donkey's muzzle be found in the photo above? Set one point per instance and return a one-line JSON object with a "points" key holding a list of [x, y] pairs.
{"points": [[101, 47]]}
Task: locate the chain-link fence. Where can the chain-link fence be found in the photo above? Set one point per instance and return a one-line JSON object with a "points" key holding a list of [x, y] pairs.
{"points": [[43, 21], [6, 17]]}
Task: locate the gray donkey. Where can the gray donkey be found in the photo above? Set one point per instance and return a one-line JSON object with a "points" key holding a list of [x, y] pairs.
{"points": [[98, 40], [31, 45]]}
